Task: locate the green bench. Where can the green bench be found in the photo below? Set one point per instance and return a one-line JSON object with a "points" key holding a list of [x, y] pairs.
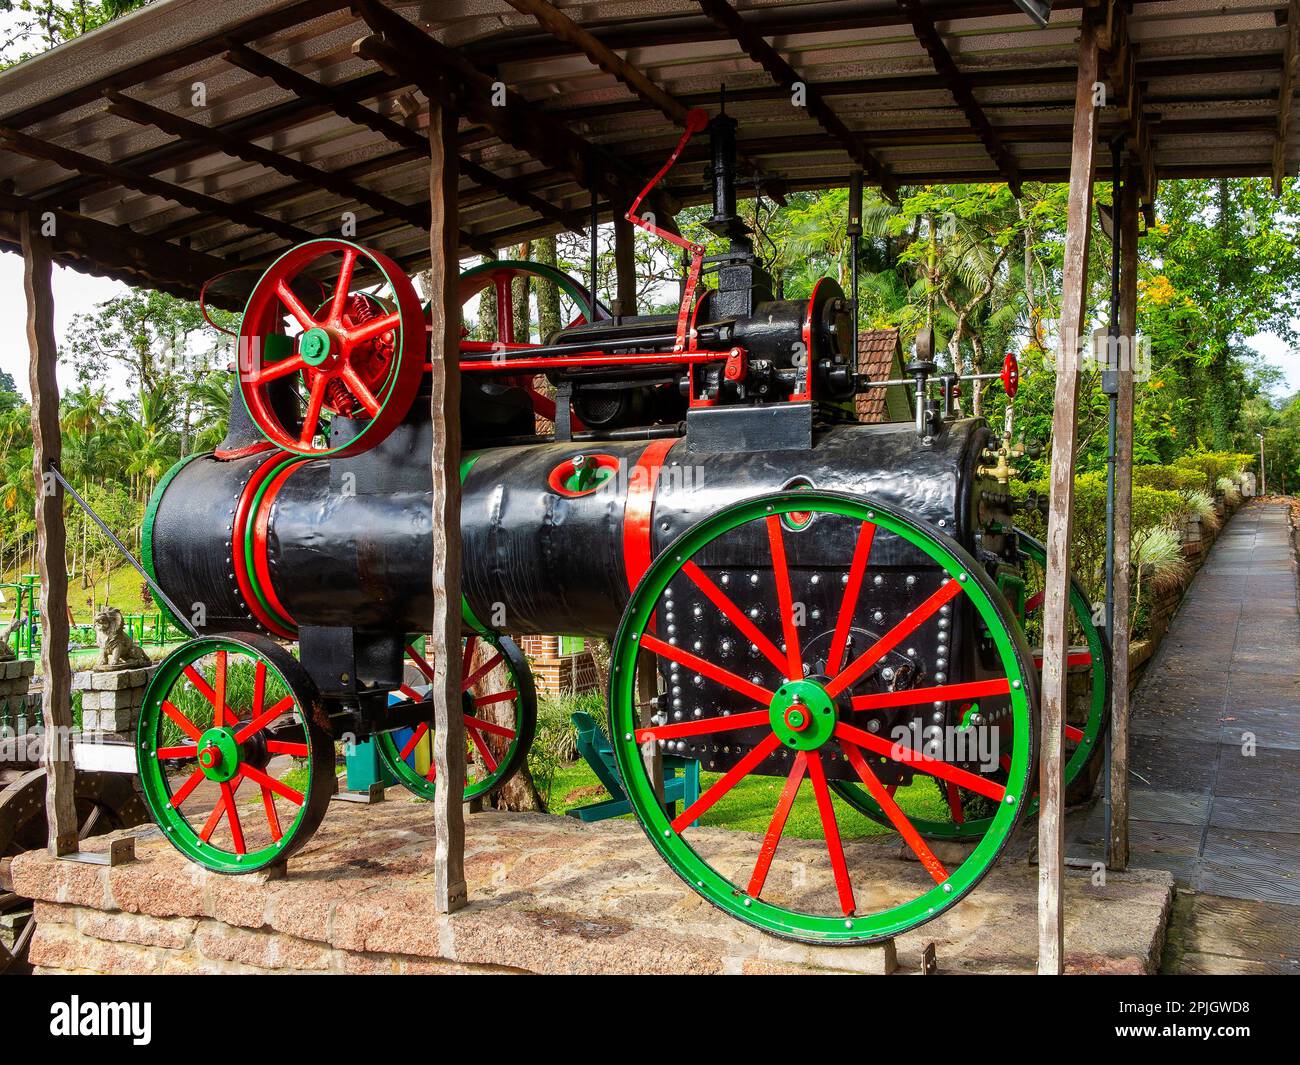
{"points": [[681, 775]]}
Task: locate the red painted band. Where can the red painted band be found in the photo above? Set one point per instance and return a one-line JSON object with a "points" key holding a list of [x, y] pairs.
{"points": [[243, 452], [261, 525], [637, 547], [237, 547]]}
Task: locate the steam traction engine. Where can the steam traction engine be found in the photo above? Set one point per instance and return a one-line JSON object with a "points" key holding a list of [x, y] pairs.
{"points": [[791, 595]]}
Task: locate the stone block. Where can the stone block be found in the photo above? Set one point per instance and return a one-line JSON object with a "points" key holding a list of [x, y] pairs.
{"points": [[81, 680], [89, 720], [124, 699], [120, 679], [26, 667], [123, 720]]}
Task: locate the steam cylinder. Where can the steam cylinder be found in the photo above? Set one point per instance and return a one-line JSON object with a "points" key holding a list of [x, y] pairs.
{"points": [[346, 542]]}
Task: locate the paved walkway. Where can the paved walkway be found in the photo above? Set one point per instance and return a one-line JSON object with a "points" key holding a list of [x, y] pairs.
{"points": [[1215, 757]]}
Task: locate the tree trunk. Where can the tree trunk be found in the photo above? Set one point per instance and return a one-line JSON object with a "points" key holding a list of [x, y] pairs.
{"points": [[519, 792], [548, 293], [521, 292], [487, 310]]}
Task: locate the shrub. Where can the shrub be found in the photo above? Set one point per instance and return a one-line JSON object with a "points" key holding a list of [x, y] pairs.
{"points": [[1212, 465], [1168, 478], [556, 740], [1200, 504], [1228, 486]]}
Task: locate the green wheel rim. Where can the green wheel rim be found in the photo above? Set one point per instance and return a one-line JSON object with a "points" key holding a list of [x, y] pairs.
{"points": [[563, 281], [682, 857], [172, 744], [1085, 749], [483, 740]]}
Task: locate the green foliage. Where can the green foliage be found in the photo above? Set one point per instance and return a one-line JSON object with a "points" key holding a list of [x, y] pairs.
{"points": [[556, 743], [1211, 466], [42, 24], [1168, 478]]}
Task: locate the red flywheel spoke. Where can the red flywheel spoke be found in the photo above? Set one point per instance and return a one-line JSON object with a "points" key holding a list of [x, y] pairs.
{"points": [[726, 782], [779, 817], [817, 774]]}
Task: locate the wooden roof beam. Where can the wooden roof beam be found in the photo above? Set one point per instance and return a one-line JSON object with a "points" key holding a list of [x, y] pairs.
{"points": [[34, 148], [100, 249], [447, 78], [309, 89], [957, 86], [762, 53], [1286, 95], [416, 216]]}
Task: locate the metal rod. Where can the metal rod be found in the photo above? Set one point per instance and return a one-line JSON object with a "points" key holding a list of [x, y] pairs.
{"points": [[162, 596], [854, 234], [595, 221]]}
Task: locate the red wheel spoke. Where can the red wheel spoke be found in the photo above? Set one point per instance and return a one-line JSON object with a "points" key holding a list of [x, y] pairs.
{"points": [[703, 726], [726, 782], [219, 688], [817, 774], [849, 604], [263, 719], [410, 692], [298, 750], [785, 598], [499, 697], [224, 803], [276, 370], [236, 829], [259, 689], [432, 774], [734, 614], [477, 724], [895, 814], [375, 328], [414, 741], [343, 285], [295, 306], [206, 690], [922, 761], [422, 664], [483, 751], [165, 754], [272, 818], [954, 803], [979, 689], [482, 671], [182, 722], [1075, 735], [361, 390], [315, 403], [184, 791], [1034, 602], [279, 787], [779, 817], [707, 669], [893, 638], [467, 657]]}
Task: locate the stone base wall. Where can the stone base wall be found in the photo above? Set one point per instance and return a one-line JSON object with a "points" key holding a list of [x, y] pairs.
{"points": [[111, 701], [20, 708]]}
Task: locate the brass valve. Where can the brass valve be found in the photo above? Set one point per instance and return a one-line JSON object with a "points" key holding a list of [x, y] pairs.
{"points": [[1000, 457]]}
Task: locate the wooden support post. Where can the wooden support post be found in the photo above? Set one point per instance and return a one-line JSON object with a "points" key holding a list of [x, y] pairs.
{"points": [[625, 262], [1117, 858], [444, 354], [1060, 518], [51, 538]]}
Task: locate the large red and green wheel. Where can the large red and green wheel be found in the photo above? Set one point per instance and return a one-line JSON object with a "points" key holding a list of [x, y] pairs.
{"points": [[499, 704], [356, 354], [967, 812], [234, 766], [800, 703]]}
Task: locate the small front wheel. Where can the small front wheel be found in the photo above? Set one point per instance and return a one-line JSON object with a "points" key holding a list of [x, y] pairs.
{"points": [[235, 766]]}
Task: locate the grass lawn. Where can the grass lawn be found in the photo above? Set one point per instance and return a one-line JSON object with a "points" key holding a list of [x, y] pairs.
{"points": [[748, 806]]}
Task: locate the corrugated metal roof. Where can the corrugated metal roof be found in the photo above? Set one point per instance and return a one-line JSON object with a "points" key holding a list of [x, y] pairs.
{"points": [[1210, 73]]}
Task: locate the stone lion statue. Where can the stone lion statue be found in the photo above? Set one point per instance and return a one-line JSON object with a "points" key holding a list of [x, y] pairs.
{"points": [[7, 653], [116, 648]]}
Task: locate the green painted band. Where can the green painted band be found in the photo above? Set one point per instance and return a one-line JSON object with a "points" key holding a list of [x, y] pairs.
{"points": [[249, 567], [146, 532]]}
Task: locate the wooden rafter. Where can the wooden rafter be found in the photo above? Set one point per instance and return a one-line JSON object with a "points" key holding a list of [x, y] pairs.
{"points": [[762, 53], [240, 148], [309, 89], [956, 84], [449, 80], [1286, 95], [35, 148]]}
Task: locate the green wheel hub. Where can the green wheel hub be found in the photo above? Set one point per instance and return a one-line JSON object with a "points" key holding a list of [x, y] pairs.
{"points": [[219, 754], [314, 346], [803, 715], [781, 733]]}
